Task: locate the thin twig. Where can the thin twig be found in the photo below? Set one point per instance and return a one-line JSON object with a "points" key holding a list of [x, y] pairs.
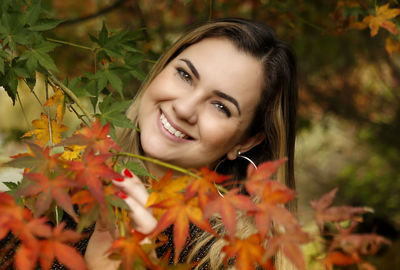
{"points": [[161, 163], [23, 110], [70, 44], [49, 116], [34, 94], [69, 93], [80, 116]]}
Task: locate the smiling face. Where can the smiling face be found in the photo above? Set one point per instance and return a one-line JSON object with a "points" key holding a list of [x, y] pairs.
{"points": [[198, 108]]}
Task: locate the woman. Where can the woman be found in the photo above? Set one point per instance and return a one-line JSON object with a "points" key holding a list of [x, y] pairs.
{"points": [[225, 89]]}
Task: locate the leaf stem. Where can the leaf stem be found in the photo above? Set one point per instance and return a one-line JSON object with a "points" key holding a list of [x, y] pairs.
{"points": [[159, 162], [67, 91], [71, 44]]}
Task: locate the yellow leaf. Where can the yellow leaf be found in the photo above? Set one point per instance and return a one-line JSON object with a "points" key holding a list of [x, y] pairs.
{"points": [[382, 17], [392, 45], [42, 133], [58, 100], [73, 152]]}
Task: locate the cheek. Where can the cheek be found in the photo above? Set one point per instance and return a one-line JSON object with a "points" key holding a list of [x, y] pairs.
{"points": [[219, 134]]}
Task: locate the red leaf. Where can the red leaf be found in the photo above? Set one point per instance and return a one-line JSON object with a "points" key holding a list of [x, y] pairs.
{"points": [[325, 213], [96, 138], [47, 190], [92, 171], [227, 206], [56, 246]]}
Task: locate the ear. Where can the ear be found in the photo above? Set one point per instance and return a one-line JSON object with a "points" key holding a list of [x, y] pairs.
{"points": [[245, 145]]}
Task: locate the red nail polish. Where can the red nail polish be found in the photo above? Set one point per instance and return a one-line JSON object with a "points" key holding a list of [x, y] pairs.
{"points": [[127, 173], [119, 179], [121, 194]]}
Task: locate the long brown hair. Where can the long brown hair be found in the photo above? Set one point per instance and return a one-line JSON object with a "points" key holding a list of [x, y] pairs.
{"points": [[275, 115]]}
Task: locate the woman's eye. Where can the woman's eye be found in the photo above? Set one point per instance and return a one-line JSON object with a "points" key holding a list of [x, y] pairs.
{"points": [[222, 108], [184, 75]]}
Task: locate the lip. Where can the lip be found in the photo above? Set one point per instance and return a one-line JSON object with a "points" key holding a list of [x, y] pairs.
{"points": [[167, 133]]}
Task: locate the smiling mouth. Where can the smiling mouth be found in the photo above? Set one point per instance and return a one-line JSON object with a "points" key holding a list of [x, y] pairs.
{"points": [[171, 129]]}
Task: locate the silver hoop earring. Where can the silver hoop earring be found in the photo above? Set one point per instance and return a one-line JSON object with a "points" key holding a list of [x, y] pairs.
{"points": [[246, 158], [239, 155]]}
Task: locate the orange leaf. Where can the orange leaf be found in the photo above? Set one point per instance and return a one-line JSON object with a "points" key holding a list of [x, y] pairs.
{"points": [[248, 252], [166, 188], [129, 248], [381, 19], [179, 212], [204, 186], [42, 133], [227, 206], [392, 45], [338, 258]]}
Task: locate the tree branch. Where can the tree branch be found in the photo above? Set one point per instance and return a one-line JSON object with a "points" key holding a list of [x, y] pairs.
{"points": [[103, 11]]}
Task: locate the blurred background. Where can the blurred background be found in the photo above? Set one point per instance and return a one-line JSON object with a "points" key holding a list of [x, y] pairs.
{"points": [[349, 111]]}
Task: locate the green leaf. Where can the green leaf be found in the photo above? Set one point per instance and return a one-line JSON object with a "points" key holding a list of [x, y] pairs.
{"points": [[115, 201], [45, 24], [138, 73], [138, 169], [2, 66], [114, 80], [9, 81], [114, 112], [33, 12], [11, 185]]}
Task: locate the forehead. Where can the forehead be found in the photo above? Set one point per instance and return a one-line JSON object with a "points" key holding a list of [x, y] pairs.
{"points": [[223, 66]]}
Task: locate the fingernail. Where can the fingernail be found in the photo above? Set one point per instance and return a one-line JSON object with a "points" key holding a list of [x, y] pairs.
{"points": [[121, 194], [127, 173], [119, 179]]}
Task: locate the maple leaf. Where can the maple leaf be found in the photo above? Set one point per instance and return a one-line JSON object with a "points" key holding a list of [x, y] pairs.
{"points": [[289, 243], [95, 137], [129, 248], [339, 259], [48, 190], [227, 206], [37, 159], [73, 152], [205, 185], [92, 171], [382, 17], [326, 213], [179, 212], [392, 45], [166, 188], [58, 100], [55, 246], [247, 252], [42, 133], [265, 170], [271, 208]]}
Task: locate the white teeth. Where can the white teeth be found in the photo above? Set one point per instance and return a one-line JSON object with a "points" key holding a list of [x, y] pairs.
{"points": [[171, 130]]}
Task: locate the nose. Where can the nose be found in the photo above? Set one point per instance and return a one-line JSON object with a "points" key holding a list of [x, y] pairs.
{"points": [[186, 107]]}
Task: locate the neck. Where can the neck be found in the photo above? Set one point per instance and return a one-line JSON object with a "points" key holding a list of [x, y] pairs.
{"points": [[159, 171]]}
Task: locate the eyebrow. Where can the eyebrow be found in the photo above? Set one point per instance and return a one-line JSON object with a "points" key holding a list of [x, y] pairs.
{"points": [[228, 98], [215, 92], [191, 67]]}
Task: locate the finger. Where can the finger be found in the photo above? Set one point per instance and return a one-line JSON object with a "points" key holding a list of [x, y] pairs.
{"points": [[141, 216], [132, 186]]}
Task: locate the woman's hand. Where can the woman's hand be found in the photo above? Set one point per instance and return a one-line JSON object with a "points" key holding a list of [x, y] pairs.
{"points": [[135, 195]]}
